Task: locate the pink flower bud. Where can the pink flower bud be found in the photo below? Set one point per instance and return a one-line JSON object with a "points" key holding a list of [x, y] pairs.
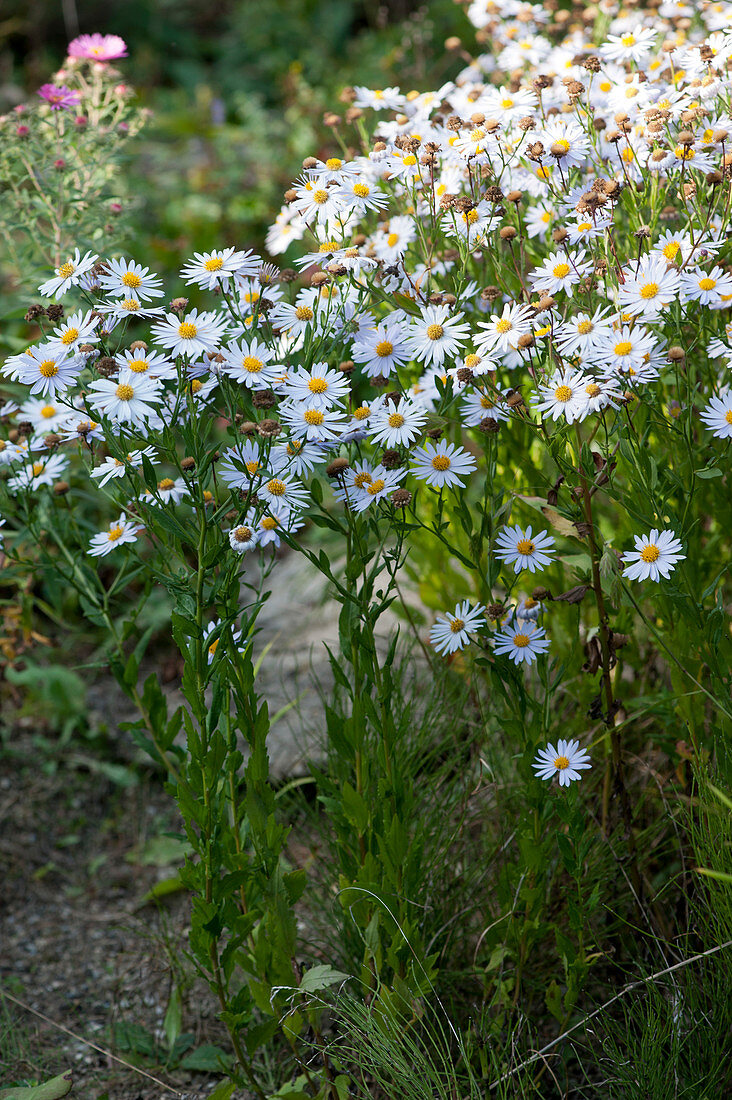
{"points": [[22, 131]]}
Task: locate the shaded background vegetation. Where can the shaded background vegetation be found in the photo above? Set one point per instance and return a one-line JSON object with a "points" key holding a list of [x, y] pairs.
{"points": [[237, 92]]}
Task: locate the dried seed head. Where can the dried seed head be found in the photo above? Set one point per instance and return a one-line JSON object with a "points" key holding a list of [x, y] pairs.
{"points": [[61, 488], [401, 498], [336, 467], [268, 429]]}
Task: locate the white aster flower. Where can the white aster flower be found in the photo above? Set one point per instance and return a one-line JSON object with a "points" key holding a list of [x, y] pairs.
{"points": [[521, 640], [121, 531], [452, 631], [243, 538], [211, 269], [78, 329], [655, 556], [564, 395], [567, 760], [442, 464], [196, 334], [48, 370], [320, 387], [717, 416], [524, 550], [130, 400], [397, 424], [650, 289], [127, 279], [69, 274], [249, 362], [435, 336]]}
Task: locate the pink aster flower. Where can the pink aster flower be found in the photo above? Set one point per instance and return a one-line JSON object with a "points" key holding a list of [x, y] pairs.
{"points": [[98, 47], [59, 97]]}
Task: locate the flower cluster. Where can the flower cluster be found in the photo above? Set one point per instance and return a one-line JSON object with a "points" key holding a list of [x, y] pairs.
{"points": [[524, 252]]}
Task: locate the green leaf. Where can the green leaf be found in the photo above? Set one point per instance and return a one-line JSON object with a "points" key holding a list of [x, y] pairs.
{"points": [[49, 1090], [207, 1059], [710, 472], [173, 1022], [320, 977]]}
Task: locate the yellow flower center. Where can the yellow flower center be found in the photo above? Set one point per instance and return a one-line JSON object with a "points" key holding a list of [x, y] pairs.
{"points": [[269, 523], [486, 403], [707, 284], [333, 163], [361, 190], [362, 479], [560, 270], [503, 325], [457, 625], [138, 366], [395, 420], [38, 468], [187, 330], [409, 160], [66, 270], [251, 364], [392, 239], [530, 602], [304, 313], [376, 487], [328, 246], [525, 547], [593, 390], [313, 417], [166, 483], [196, 385], [252, 468], [124, 392], [563, 144], [561, 762], [435, 332], [69, 336], [472, 360], [114, 533], [477, 135], [506, 104], [650, 553], [243, 534], [293, 448], [628, 40], [214, 264], [130, 304], [563, 394], [276, 487], [48, 411], [362, 412], [584, 227], [317, 385], [728, 416], [623, 347], [131, 280], [471, 217], [441, 463], [650, 290], [320, 196], [584, 327], [48, 368], [384, 348], [521, 640]]}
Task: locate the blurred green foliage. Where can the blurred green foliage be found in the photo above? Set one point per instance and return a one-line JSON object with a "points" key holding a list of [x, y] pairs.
{"points": [[237, 90]]}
